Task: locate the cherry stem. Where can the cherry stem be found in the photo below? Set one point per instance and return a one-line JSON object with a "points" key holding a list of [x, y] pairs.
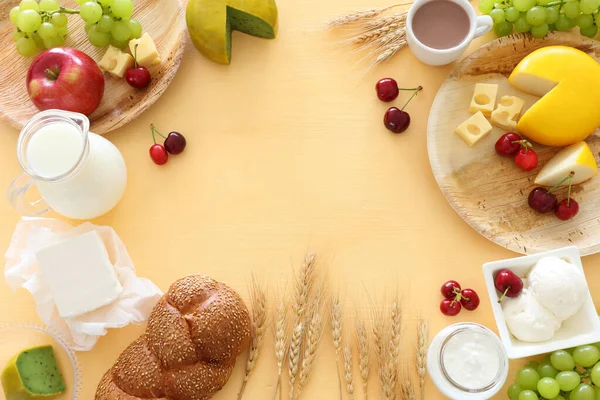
{"points": [[407, 89], [568, 177], [569, 192], [152, 130], [417, 90], [503, 294], [135, 63], [156, 130]]}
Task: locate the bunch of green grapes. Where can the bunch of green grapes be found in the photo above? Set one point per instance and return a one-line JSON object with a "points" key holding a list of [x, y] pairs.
{"points": [[572, 374], [541, 16], [39, 26], [109, 22]]}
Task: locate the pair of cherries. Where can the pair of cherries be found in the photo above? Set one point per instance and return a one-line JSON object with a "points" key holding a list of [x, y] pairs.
{"points": [[174, 144], [395, 119]]}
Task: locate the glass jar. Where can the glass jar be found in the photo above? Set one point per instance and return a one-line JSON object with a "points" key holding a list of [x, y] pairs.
{"points": [[466, 361]]}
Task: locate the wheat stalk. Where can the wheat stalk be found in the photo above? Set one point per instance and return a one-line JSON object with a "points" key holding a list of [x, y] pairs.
{"points": [[280, 328], [407, 389], [394, 19], [395, 332], [294, 356], [304, 283], [362, 342], [421, 362], [258, 300], [357, 16], [348, 378], [379, 340], [337, 324]]}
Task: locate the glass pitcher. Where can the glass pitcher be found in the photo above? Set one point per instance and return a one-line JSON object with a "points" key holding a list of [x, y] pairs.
{"points": [[79, 174]]}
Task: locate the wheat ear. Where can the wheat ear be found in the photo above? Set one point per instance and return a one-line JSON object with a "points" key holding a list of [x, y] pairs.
{"points": [[394, 19], [294, 356], [258, 300], [337, 324], [395, 339], [362, 343], [304, 283], [407, 389], [348, 378], [379, 342], [421, 362], [280, 331]]}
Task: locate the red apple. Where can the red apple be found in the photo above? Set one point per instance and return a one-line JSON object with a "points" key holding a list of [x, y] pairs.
{"points": [[66, 79]]}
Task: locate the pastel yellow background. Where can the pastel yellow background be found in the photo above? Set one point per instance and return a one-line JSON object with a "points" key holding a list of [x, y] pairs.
{"points": [[286, 152]]}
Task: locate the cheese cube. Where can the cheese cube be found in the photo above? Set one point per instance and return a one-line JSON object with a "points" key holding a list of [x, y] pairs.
{"points": [[507, 113], [79, 273], [147, 55], [484, 98], [474, 129], [116, 62]]}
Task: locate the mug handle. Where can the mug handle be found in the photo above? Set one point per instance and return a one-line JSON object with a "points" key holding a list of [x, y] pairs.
{"points": [[484, 25], [17, 191]]}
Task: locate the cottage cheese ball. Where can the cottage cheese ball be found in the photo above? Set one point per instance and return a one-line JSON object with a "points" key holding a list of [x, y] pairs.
{"points": [[528, 320]]}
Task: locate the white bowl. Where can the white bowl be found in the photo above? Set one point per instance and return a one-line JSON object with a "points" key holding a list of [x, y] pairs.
{"points": [[582, 328]]}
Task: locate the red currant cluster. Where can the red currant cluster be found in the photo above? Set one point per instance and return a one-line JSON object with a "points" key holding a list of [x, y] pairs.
{"points": [[456, 298], [395, 119], [174, 144]]}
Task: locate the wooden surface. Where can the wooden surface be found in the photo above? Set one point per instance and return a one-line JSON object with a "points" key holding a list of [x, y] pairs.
{"points": [[164, 20], [287, 151], [488, 191]]}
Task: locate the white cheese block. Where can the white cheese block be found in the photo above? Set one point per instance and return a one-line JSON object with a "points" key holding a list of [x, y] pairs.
{"points": [[116, 62], [507, 113], [146, 52], [80, 274], [474, 129], [484, 98]]}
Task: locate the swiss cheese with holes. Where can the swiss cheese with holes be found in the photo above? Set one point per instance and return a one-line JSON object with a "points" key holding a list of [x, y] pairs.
{"points": [[507, 113], [474, 129], [484, 98]]}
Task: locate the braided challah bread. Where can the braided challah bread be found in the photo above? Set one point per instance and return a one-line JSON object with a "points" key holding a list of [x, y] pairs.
{"points": [[188, 351]]}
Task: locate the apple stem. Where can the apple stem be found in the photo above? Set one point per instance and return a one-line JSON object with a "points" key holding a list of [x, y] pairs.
{"points": [[503, 295], [417, 90], [568, 177], [51, 74], [156, 130]]}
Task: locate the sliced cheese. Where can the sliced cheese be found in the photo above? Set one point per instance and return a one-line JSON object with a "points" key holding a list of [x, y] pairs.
{"points": [[577, 158], [507, 113], [484, 98], [116, 62], [146, 52], [568, 80], [474, 129]]}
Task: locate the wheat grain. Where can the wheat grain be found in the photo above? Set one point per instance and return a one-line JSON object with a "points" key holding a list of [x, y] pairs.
{"points": [[421, 360], [258, 300], [356, 17], [304, 283], [348, 378], [294, 356], [394, 19], [390, 51], [381, 347], [407, 389], [280, 331], [337, 324], [313, 336], [373, 34], [395, 332], [362, 342]]}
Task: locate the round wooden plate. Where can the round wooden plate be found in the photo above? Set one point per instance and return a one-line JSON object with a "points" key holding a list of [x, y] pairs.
{"points": [[162, 19], [488, 191]]}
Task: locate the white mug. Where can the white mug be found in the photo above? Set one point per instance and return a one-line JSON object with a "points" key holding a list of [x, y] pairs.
{"points": [[480, 25]]}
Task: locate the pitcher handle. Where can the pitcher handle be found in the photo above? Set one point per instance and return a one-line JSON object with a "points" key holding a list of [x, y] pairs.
{"points": [[485, 23], [16, 193]]}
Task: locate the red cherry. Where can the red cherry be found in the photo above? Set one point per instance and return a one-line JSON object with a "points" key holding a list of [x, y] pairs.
{"points": [[567, 209], [387, 89], [541, 200], [508, 283], [396, 120], [138, 77], [450, 289], [526, 159], [175, 143], [450, 307], [469, 299], [159, 154], [508, 144]]}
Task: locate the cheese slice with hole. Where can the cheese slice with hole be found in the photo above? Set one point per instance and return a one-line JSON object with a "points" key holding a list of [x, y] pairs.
{"points": [[484, 98], [568, 82], [116, 62], [507, 112], [474, 129]]}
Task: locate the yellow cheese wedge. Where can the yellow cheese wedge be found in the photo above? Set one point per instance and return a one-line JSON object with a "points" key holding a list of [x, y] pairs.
{"points": [[577, 158], [568, 82], [484, 98], [474, 129], [507, 113]]}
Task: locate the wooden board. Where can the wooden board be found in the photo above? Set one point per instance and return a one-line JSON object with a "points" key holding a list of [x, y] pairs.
{"points": [[488, 191], [162, 19]]}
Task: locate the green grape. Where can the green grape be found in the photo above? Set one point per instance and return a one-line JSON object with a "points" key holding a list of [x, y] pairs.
{"points": [[536, 16], [544, 2], [561, 360], [29, 5], [527, 378], [62, 30], [38, 40], [583, 392], [588, 6], [56, 41], [568, 380], [106, 23], [585, 21], [136, 29], [485, 6], [49, 5], [97, 38], [513, 391], [17, 34], [26, 47], [82, 2], [59, 19], [548, 388], [521, 24], [118, 44], [551, 27], [29, 21], [590, 31], [597, 391], [120, 30], [90, 12], [532, 364], [503, 28], [562, 24], [546, 369], [528, 395], [571, 9], [595, 374], [106, 3], [88, 26], [123, 8], [497, 15], [47, 30], [559, 397], [586, 356], [523, 5], [539, 31], [14, 15], [551, 15]]}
